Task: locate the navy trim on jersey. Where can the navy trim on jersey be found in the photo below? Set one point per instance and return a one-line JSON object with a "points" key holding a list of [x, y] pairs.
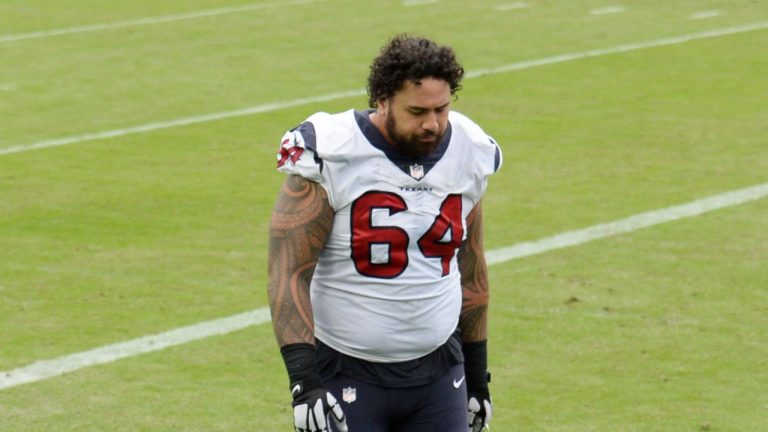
{"points": [[497, 156], [376, 139], [307, 131]]}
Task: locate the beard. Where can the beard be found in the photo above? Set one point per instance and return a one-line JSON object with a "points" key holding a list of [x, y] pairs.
{"points": [[412, 145]]}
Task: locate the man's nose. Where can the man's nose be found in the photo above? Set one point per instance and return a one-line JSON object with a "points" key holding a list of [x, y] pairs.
{"points": [[430, 122]]}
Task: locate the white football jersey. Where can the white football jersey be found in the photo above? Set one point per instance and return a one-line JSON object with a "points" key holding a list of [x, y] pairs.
{"points": [[387, 286]]}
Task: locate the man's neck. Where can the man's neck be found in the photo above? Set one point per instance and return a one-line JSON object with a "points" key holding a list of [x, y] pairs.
{"points": [[379, 122]]}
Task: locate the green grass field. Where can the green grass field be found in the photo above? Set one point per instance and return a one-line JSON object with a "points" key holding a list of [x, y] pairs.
{"points": [[105, 240]]}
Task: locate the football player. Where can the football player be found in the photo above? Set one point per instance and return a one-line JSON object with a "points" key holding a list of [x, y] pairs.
{"points": [[378, 285]]}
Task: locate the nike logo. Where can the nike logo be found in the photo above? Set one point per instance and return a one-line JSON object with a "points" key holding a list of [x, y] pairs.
{"points": [[296, 390], [457, 384]]}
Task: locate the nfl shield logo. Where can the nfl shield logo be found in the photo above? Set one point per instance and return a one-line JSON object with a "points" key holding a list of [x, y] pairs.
{"points": [[349, 394], [417, 171]]}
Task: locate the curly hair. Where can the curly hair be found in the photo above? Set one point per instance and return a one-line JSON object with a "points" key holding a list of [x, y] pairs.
{"points": [[411, 58]]}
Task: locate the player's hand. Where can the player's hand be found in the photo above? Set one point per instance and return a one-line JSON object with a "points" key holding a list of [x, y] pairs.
{"points": [[479, 410], [313, 409]]}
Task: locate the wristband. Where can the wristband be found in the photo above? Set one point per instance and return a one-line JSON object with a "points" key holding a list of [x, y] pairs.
{"points": [[301, 363], [476, 364]]}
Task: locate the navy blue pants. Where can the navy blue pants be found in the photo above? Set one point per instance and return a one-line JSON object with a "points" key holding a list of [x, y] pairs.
{"points": [[440, 406]]}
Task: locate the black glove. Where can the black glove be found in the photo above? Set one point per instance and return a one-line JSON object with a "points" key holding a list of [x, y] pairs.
{"points": [[312, 403], [478, 377]]}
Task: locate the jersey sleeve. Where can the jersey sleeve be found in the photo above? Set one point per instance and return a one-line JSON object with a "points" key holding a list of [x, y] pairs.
{"points": [[498, 159], [298, 153]]}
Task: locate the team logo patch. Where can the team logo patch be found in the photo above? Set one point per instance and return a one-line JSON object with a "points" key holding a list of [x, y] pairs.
{"points": [[349, 394], [291, 149], [417, 171]]}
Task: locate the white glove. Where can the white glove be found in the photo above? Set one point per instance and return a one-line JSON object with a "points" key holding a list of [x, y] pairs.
{"points": [[311, 414], [478, 415]]}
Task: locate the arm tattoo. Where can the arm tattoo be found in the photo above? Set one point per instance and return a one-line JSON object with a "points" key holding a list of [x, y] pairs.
{"points": [[473, 321], [301, 222]]}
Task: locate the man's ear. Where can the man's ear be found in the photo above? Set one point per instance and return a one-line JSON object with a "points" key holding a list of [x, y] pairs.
{"points": [[381, 107]]}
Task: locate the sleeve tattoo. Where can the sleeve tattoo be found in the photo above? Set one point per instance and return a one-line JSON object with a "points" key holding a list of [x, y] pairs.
{"points": [[473, 321], [300, 225]]}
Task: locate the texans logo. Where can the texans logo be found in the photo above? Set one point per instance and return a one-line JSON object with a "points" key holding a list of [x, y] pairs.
{"points": [[290, 150]]}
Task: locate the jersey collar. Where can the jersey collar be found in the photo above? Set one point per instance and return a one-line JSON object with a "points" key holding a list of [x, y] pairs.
{"points": [[414, 167]]}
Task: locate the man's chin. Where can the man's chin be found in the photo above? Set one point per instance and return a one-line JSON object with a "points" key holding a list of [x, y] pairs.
{"points": [[417, 148]]}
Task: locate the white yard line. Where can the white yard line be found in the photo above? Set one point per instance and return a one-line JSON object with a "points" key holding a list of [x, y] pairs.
{"points": [[706, 14], [353, 93], [179, 122], [511, 6], [46, 369], [632, 223], [607, 10], [151, 20], [418, 2], [674, 40]]}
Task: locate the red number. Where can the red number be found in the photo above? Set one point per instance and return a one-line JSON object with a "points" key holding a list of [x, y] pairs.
{"points": [[449, 219], [433, 244], [365, 235]]}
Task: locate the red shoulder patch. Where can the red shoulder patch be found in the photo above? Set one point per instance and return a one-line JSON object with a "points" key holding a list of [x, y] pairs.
{"points": [[290, 150]]}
